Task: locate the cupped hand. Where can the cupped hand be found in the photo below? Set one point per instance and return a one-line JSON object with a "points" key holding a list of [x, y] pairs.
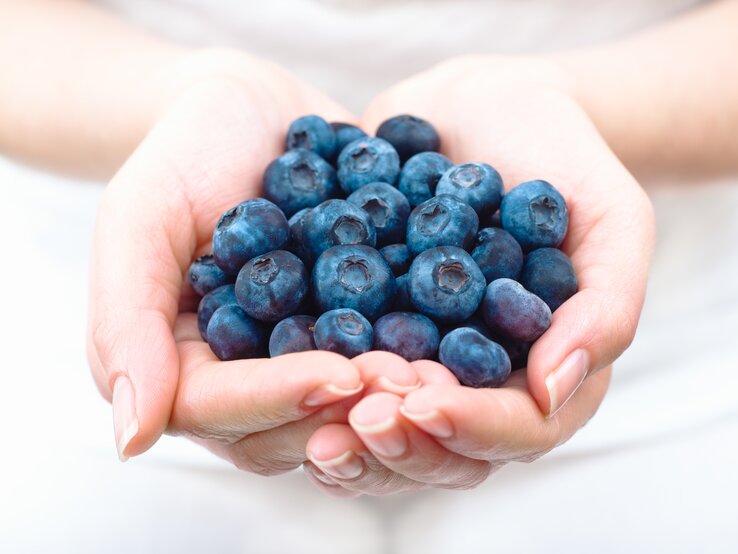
{"points": [[206, 153], [520, 116]]}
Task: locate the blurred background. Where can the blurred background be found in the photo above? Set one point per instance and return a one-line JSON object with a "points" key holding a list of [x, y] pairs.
{"points": [[654, 471]]}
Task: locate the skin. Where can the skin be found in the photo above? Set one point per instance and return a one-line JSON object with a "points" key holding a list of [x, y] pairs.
{"points": [[181, 123]]}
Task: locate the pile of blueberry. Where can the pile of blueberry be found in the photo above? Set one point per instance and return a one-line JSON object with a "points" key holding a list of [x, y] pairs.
{"points": [[382, 243]]}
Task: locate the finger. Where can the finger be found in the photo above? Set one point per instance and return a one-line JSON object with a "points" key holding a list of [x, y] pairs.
{"points": [[282, 448], [433, 373], [384, 371], [502, 424], [325, 484], [611, 256], [229, 400], [336, 451], [401, 447]]}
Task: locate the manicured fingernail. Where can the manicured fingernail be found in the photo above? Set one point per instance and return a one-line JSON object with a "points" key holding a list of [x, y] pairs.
{"points": [[346, 466], [390, 386], [326, 394], [564, 381], [433, 422], [125, 422], [384, 438]]}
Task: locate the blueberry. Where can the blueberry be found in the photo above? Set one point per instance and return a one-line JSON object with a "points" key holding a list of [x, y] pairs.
{"points": [[477, 184], [474, 359], [297, 231], [441, 221], [367, 160], [516, 350], [388, 208], [409, 135], [446, 284], [293, 334], [343, 331], [493, 220], [514, 312], [401, 301], [312, 132], [204, 275], [233, 335], [249, 229], [272, 286], [535, 213], [420, 175], [355, 277], [497, 254], [548, 274], [346, 133], [222, 296], [474, 322], [410, 335], [299, 179], [336, 222], [398, 257]]}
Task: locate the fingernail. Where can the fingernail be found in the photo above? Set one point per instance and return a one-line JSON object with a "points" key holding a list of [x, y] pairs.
{"points": [[384, 438], [390, 386], [433, 422], [564, 381], [326, 394], [346, 466], [319, 475], [125, 422]]}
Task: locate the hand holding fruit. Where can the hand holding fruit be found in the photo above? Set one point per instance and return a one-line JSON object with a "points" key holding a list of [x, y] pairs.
{"points": [[519, 116]]}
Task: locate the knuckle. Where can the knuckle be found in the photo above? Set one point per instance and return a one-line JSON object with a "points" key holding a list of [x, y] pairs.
{"points": [[251, 455]]}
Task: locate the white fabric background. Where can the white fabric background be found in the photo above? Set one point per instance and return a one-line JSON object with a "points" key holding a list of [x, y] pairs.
{"points": [[654, 471]]}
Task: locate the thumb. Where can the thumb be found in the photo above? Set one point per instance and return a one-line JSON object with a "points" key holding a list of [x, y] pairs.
{"points": [[135, 287], [611, 252]]}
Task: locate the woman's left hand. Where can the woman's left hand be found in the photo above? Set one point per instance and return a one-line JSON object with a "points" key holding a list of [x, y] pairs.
{"points": [[520, 116]]}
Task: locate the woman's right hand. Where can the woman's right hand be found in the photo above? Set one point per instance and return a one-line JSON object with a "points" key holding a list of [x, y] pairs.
{"points": [[205, 154]]}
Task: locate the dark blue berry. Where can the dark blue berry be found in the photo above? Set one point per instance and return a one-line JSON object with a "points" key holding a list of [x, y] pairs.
{"points": [[293, 334], [477, 184], [222, 296], [336, 222], [402, 302], [233, 335], [297, 235], [247, 230], [410, 335], [446, 284], [272, 286], [299, 179], [493, 220], [343, 331], [497, 254], [474, 359], [346, 133], [388, 208], [420, 175], [312, 132], [549, 274], [514, 312], [367, 160], [409, 135], [535, 213], [441, 221], [204, 275], [355, 277], [398, 257]]}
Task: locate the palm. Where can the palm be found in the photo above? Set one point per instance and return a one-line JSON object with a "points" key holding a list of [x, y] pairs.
{"points": [[511, 116]]}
